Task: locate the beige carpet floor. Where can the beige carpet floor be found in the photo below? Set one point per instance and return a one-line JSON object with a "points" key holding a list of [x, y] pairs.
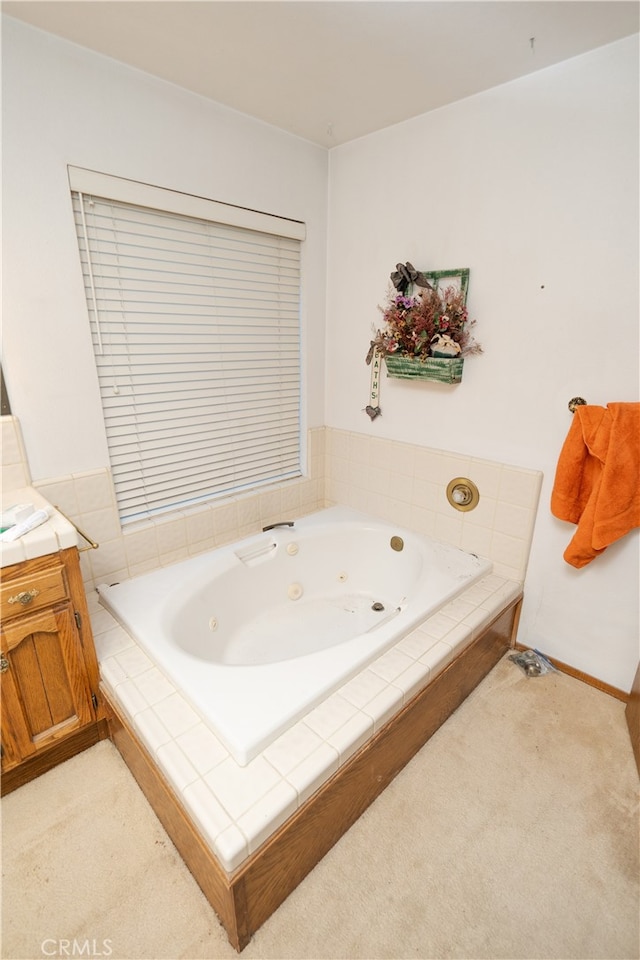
{"points": [[512, 834]]}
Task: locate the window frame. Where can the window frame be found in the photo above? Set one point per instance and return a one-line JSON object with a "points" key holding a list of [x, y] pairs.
{"points": [[259, 229]]}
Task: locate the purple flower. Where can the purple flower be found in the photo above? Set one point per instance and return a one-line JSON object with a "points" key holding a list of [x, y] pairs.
{"points": [[406, 303]]}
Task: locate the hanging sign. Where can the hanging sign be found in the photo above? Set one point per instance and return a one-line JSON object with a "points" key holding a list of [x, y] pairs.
{"points": [[373, 407]]}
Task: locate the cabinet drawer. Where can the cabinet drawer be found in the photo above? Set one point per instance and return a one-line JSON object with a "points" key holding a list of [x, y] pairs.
{"points": [[32, 591]]}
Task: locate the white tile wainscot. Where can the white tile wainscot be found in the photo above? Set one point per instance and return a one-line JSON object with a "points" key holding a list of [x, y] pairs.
{"points": [[238, 808]]}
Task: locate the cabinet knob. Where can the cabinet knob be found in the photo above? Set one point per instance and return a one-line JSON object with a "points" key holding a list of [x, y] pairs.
{"points": [[25, 597], [4, 663]]}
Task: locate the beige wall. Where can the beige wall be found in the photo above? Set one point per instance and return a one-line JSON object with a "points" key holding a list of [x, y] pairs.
{"points": [[533, 185], [399, 482]]}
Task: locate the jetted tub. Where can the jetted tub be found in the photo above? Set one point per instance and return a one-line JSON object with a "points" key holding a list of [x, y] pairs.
{"points": [[256, 634]]}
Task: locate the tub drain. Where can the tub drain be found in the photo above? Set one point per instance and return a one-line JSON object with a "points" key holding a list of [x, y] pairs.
{"points": [[377, 605]]}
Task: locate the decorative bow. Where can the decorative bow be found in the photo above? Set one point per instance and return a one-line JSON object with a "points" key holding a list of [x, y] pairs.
{"points": [[406, 274], [371, 350]]}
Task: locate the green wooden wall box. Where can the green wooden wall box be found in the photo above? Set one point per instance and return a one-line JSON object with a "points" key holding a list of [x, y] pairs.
{"points": [[439, 369]]}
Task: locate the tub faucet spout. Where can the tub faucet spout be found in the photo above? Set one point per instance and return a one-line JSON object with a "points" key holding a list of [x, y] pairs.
{"points": [[281, 523]]}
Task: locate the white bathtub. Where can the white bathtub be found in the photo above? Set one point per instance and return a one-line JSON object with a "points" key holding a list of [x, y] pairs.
{"points": [[256, 634]]}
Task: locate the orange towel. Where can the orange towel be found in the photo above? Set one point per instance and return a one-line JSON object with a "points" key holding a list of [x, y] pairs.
{"points": [[597, 483]]}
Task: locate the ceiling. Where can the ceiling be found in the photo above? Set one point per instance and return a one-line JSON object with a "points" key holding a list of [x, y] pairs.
{"points": [[333, 70]]}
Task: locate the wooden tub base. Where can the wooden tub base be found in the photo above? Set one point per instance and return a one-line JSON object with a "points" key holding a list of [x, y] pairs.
{"points": [[244, 899]]}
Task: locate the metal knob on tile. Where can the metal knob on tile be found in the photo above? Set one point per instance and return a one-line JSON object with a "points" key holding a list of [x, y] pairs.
{"points": [[463, 494]]}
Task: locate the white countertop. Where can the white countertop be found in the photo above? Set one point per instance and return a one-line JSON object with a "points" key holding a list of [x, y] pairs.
{"points": [[56, 534]]}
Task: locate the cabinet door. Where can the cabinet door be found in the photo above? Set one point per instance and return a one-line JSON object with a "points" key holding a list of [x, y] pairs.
{"points": [[45, 691]]}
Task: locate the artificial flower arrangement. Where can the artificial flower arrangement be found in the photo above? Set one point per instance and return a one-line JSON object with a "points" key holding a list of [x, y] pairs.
{"points": [[432, 323], [427, 331]]}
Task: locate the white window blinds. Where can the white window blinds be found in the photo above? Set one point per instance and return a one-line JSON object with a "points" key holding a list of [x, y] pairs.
{"points": [[196, 334]]}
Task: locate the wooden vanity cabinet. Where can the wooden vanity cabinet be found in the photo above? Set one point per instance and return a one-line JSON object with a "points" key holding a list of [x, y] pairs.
{"points": [[48, 668]]}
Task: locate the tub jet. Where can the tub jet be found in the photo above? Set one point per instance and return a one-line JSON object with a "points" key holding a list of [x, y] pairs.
{"points": [[377, 605]]}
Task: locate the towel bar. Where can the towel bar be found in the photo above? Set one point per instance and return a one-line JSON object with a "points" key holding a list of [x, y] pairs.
{"points": [[92, 544], [576, 402]]}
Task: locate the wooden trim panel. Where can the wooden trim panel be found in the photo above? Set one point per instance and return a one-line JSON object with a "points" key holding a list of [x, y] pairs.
{"points": [[632, 715], [584, 677], [194, 850], [244, 899]]}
